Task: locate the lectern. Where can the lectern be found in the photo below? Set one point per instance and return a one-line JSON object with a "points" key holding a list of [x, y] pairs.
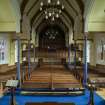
{"points": [[91, 97], [12, 84]]}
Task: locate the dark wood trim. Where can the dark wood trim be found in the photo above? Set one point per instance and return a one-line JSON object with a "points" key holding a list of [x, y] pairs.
{"points": [[20, 39], [100, 65], [22, 8], [69, 16], [23, 5], [95, 32], [84, 39], [72, 7], [32, 7], [81, 5], [34, 16]]}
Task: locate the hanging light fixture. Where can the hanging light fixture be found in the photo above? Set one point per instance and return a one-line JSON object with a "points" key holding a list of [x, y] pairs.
{"points": [[63, 7], [52, 10], [49, 14], [46, 17], [41, 3], [40, 8], [58, 2], [49, 1], [57, 15], [53, 18], [46, 12], [60, 11]]}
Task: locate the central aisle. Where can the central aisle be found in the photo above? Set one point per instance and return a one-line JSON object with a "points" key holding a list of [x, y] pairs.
{"points": [[53, 77]]}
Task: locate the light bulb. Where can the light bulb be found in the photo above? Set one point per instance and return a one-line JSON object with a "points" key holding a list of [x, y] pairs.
{"points": [[46, 17], [41, 3], [60, 11], [49, 1], [63, 7], [57, 15], [58, 2], [45, 12], [53, 18], [40, 8], [50, 14]]}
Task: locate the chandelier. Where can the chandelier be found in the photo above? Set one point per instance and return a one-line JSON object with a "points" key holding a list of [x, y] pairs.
{"points": [[51, 34], [51, 9]]}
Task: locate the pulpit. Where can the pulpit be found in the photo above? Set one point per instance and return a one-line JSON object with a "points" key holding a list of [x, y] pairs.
{"points": [[12, 84]]}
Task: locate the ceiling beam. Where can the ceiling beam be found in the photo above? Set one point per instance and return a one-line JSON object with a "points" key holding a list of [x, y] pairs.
{"points": [[81, 5], [34, 16], [69, 3], [38, 12], [36, 1], [23, 5], [41, 16], [22, 8], [69, 16]]}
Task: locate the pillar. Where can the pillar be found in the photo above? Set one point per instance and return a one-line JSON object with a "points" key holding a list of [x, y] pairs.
{"points": [[18, 61], [69, 48], [85, 74], [29, 63], [34, 53], [74, 54]]}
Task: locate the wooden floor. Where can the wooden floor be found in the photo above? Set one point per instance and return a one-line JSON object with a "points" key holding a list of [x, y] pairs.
{"points": [[101, 92], [51, 76]]}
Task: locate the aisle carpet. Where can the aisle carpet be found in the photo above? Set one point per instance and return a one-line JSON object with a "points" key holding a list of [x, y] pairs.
{"points": [[78, 100]]}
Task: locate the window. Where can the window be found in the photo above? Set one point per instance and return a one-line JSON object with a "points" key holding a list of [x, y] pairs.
{"points": [[2, 51]]}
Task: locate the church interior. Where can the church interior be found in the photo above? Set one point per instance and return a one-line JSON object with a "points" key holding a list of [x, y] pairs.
{"points": [[52, 52]]}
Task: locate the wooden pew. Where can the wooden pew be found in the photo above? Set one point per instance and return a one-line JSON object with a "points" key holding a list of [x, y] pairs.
{"points": [[55, 76]]}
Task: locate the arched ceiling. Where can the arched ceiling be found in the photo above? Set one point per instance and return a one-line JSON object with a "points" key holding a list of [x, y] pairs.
{"points": [[10, 18], [45, 23], [73, 9]]}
